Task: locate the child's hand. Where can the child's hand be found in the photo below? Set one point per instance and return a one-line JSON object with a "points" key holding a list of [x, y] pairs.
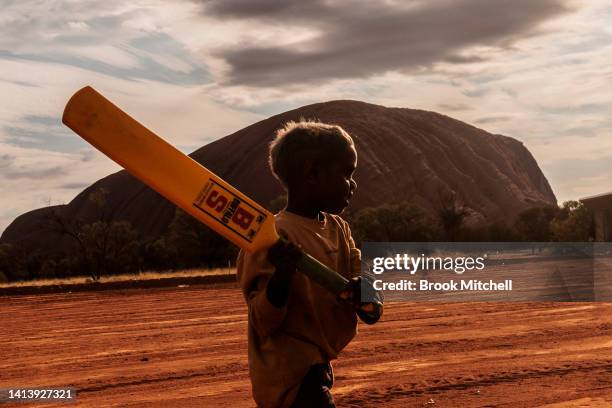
{"points": [[284, 255], [352, 293], [369, 312]]}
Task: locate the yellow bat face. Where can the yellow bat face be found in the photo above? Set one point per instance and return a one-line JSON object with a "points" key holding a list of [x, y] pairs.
{"points": [[171, 173]]}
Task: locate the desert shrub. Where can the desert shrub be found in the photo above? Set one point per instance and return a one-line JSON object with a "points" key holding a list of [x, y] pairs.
{"points": [[189, 243], [110, 247], [496, 232], [103, 246], [389, 223], [158, 255], [69, 266], [534, 224], [573, 223], [451, 214], [49, 269], [13, 262]]}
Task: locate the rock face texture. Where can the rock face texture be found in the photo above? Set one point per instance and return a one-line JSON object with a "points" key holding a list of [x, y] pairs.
{"points": [[404, 155]]}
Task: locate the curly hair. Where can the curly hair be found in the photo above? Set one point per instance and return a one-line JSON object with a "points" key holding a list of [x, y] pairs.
{"points": [[297, 142]]}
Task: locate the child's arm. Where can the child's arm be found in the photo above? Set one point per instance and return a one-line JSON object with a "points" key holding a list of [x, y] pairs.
{"points": [[283, 256], [369, 314], [265, 287]]}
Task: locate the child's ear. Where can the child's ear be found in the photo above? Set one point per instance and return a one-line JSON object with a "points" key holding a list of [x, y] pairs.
{"points": [[310, 171]]}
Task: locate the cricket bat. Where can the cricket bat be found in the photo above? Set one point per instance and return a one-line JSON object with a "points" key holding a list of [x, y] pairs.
{"points": [[185, 182]]}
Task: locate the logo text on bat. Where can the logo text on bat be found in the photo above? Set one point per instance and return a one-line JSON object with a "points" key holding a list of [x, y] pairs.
{"points": [[230, 210]]}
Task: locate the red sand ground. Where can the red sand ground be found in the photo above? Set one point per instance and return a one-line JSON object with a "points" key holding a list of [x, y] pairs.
{"points": [[186, 347]]}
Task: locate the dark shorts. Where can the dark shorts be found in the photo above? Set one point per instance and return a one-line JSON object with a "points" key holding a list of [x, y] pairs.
{"points": [[314, 391]]}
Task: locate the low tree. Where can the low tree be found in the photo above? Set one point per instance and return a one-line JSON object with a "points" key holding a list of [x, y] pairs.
{"points": [[533, 225], [49, 269], [573, 223], [111, 247], [389, 223], [189, 243], [17, 264], [158, 255], [13, 263], [496, 232], [104, 246]]}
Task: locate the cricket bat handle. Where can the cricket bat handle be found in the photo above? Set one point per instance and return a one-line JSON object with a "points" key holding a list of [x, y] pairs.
{"points": [[321, 274], [336, 283]]}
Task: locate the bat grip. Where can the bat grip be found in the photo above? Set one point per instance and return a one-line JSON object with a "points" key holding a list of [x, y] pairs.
{"points": [[369, 312], [321, 274]]}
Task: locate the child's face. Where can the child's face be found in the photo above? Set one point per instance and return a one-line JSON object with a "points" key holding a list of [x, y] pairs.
{"points": [[336, 184]]}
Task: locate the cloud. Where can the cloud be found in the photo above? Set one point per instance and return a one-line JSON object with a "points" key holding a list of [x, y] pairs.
{"points": [[19, 83], [453, 107], [36, 174], [581, 177], [99, 38], [74, 186], [11, 170], [581, 167], [580, 108], [192, 71], [31, 178], [358, 39], [268, 9], [139, 66], [41, 132], [476, 92], [492, 119], [6, 160]]}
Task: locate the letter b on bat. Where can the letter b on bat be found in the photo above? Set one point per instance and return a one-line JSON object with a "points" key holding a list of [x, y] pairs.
{"points": [[243, 218]]}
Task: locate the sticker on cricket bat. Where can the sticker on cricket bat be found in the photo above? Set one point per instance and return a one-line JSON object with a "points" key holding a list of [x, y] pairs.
{"points": [[230, 210]]}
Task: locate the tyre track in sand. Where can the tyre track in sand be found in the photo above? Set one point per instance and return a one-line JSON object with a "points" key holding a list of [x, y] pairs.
{"points": [[187, 347]]}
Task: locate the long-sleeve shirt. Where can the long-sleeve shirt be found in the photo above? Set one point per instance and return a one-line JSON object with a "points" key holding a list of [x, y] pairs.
{"points": [[313, 326]]}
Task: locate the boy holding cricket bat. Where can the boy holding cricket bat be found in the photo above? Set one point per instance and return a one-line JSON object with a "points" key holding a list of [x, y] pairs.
{"points": [[296, 327]]}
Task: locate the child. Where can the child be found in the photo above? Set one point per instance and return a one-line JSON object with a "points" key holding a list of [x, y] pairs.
{"points": [[296, 327]]}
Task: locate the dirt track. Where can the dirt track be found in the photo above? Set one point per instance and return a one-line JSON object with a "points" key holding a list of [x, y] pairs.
{"points": [[186, 347]]}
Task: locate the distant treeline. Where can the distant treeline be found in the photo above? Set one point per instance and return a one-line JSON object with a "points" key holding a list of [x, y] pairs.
{"points": [[107, 247]]}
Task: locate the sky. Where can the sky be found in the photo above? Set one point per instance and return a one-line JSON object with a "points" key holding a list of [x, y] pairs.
{"points": [[193, 71]]}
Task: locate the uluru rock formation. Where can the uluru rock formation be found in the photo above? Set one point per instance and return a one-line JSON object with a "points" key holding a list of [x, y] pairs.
{"points": [[404, 155]]}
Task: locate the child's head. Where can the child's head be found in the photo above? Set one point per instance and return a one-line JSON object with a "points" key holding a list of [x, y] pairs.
{"points": [[315, 163]]}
